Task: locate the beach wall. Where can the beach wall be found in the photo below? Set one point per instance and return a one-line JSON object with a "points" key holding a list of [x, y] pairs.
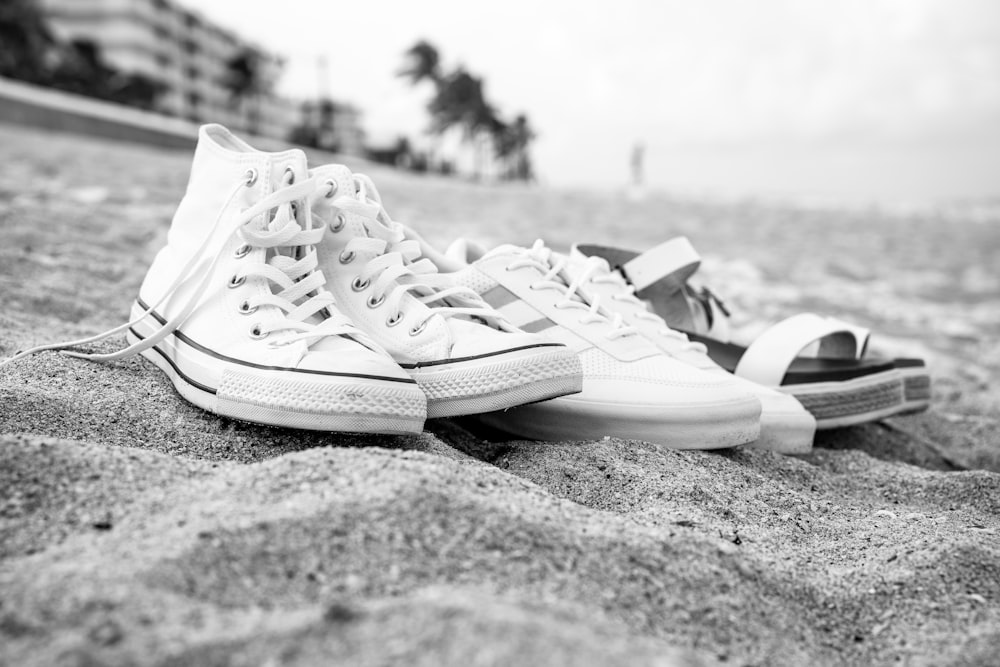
{"points": [[45, 108]]}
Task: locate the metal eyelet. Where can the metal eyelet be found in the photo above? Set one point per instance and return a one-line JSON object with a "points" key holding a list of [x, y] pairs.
{"points": [[332, 184], [417, 329], [242, 251], [245, 308], [250, 177], [289, 172], [236, 281], [394, 320], [357, 284], [338, 223], [375, 303], [256, 332], [346, 257]]}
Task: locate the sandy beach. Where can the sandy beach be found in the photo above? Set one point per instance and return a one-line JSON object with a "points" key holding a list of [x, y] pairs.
{"points": [[138, 529]]}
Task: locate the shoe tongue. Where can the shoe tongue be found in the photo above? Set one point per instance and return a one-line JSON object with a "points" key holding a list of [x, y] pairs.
{"points": [[518, 252], [505, 249], [462, 252], [293, 161], [564, 277], [575, 256], [693, 357], [578, 261], [664, 298]]}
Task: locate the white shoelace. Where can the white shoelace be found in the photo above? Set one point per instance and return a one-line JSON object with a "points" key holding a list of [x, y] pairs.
{"points": [[599, 272], [297, 277], [399, 269], [552, 267]]}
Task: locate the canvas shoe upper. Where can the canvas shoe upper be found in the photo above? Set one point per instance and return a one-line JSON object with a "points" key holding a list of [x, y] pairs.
{"points": [[235, 312], [786, 426], [464, 354], [631, 389]]}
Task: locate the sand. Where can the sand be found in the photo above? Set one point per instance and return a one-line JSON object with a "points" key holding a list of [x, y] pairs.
{"points": [[137, 529]]}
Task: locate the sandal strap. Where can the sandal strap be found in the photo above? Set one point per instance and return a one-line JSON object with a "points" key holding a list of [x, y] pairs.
{"points": [[672, 262], [717, 319], [861, 334], [768, 358]]}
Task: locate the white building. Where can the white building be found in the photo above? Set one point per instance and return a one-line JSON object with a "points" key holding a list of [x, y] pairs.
{"points": [[183, 51]]}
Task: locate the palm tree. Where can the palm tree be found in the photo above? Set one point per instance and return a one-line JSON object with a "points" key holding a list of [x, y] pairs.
{"points": [[503, 146], [459, 102], [425, 64], [479, 125], [510, 143], [521, 137]]}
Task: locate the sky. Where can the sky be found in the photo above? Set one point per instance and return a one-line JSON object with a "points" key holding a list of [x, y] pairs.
{"points": [[860, 100]]}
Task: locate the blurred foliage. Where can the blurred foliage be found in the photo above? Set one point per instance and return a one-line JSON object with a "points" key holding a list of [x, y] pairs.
{"points": [[459, 101], [31, 52], [425, 63]]}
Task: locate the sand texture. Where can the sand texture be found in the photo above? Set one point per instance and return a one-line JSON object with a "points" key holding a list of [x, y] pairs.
{"points": [[137, 529]]}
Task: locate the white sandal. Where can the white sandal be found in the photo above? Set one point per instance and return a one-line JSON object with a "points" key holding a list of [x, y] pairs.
{"points": [[820, 360]]}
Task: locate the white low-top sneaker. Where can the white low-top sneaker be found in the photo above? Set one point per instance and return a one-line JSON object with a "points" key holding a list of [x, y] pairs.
{"points": [[631, 389], [235, 312], [464, 354], [785, 426]]}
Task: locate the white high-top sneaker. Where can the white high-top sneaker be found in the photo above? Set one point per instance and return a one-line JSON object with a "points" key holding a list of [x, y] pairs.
{"points": [[465, 356], [631, 389], [785, 426], [235, 312]]}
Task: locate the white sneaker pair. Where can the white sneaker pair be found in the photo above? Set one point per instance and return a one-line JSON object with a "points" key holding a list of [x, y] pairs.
{"points": [[641, 379], [288, 297]]}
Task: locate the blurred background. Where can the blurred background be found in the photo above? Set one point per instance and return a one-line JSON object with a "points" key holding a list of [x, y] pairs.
{"points": [[853, 102]]}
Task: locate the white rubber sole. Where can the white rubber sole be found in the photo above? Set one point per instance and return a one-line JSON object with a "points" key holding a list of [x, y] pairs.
{"points": [[286, 398], [707, 426], [786, 432], [500, 381], [851, 402]]}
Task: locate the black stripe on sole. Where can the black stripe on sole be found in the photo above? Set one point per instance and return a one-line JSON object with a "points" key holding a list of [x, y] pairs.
{"points": [[441, 362], [190, 381], [204, 350]]}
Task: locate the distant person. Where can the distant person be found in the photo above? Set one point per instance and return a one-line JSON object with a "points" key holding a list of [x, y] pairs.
{"points": [[636, 190], [638, 152]]}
